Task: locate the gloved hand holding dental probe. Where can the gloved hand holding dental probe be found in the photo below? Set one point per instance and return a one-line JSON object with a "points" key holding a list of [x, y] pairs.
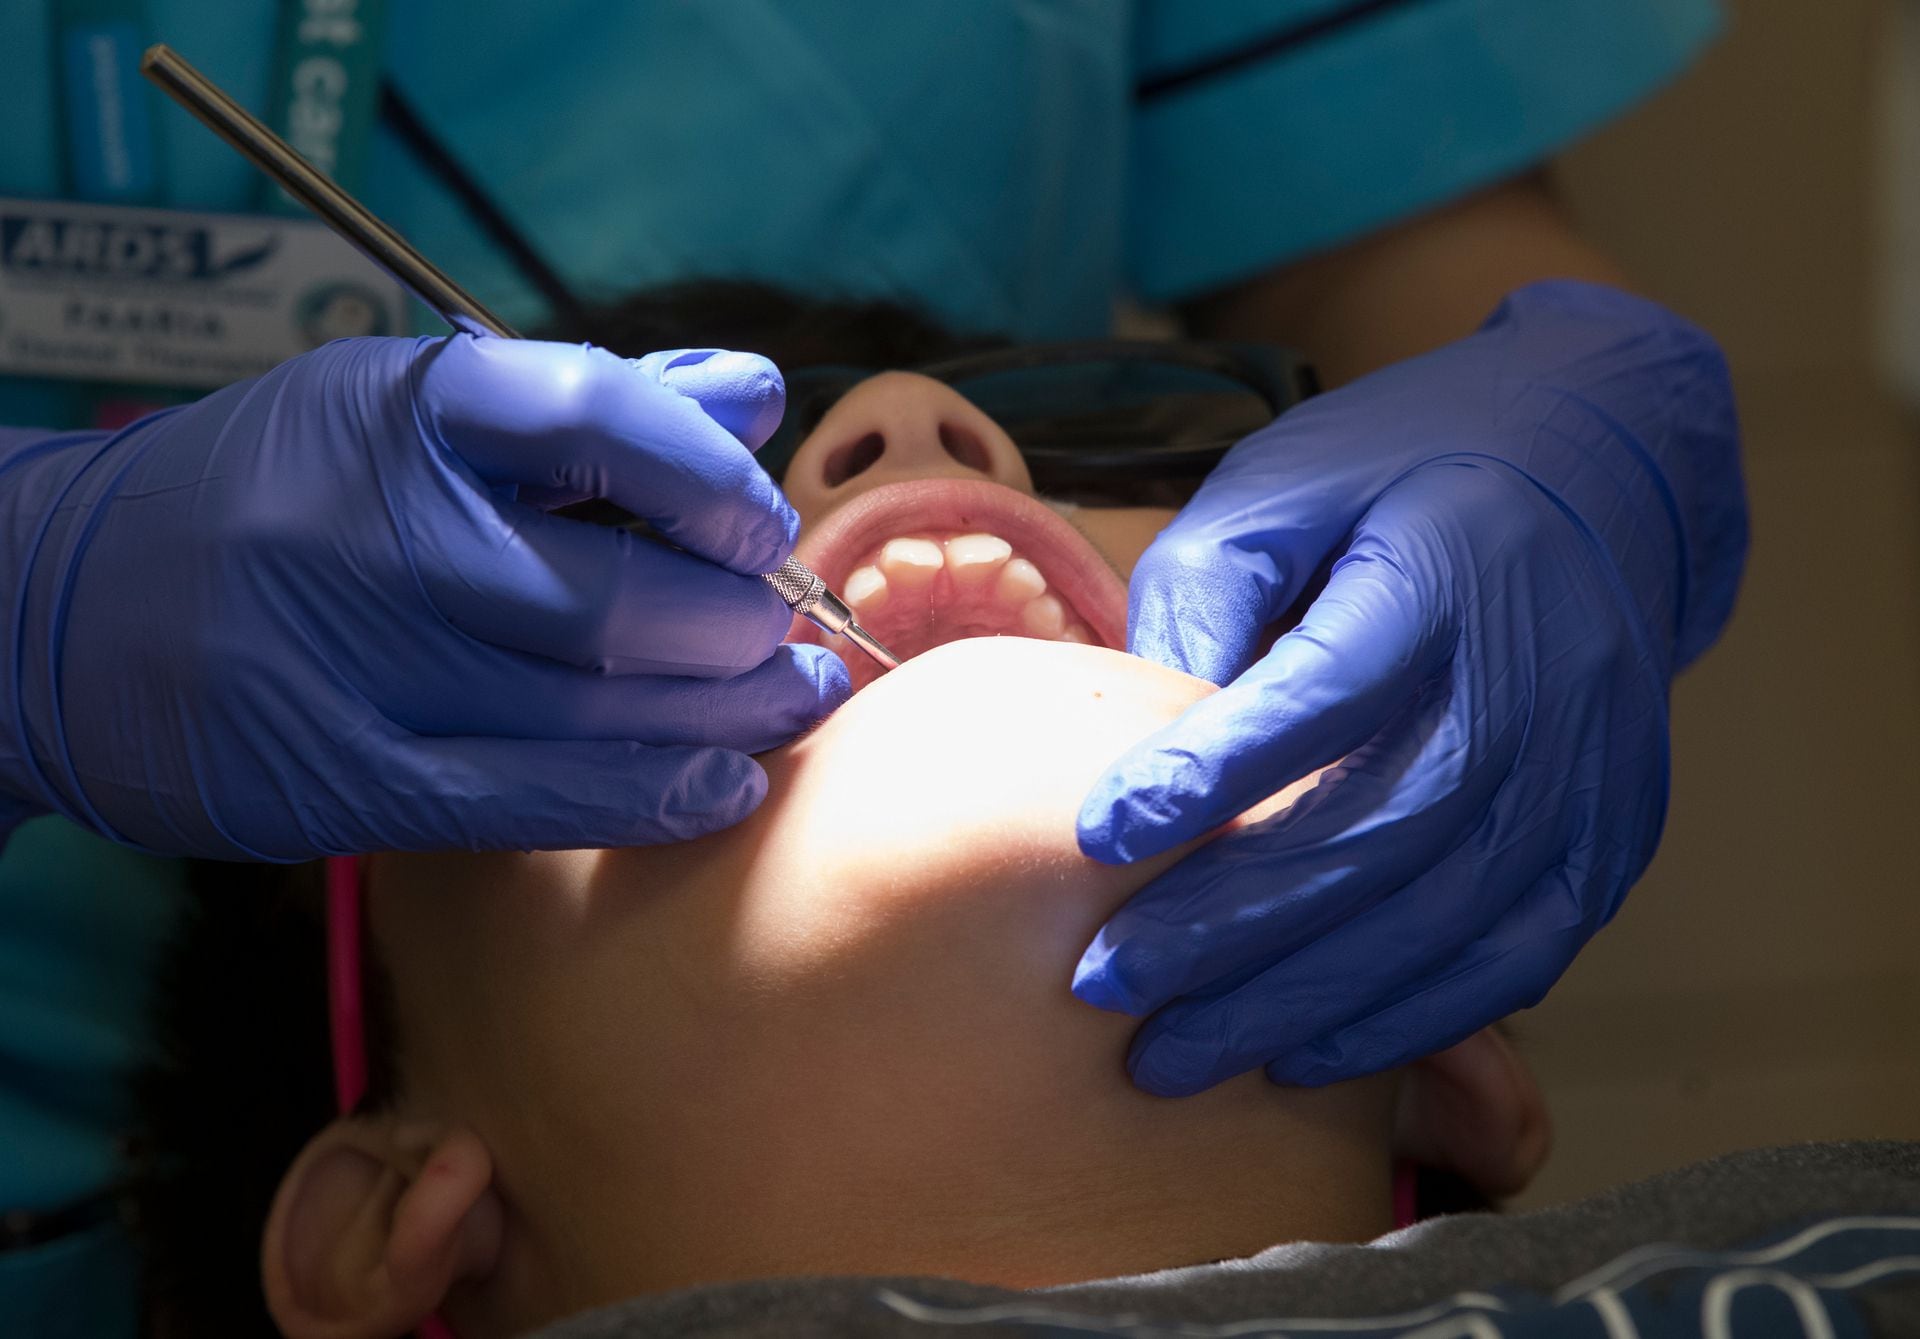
{"points": [[309, 615], [1529, 531]]}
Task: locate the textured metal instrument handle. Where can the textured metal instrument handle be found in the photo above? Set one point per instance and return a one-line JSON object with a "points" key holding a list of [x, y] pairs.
{"points": [[796, 584]]}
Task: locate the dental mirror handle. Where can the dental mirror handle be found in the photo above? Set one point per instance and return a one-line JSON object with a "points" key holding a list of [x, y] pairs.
{"points": [[804, 593]]}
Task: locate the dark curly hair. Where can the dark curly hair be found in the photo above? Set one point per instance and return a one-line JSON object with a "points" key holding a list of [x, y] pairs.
{"points": [[239, 1082]]}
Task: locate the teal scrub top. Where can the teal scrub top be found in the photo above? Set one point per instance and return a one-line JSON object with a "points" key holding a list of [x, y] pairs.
{"points": [[1012, 165]]}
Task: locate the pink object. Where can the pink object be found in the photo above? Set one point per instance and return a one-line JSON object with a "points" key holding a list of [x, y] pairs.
{"points": [[346, 1020], [1406, 1199], [114, 415]]}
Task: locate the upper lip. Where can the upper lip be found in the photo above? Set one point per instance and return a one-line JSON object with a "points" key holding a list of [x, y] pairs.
{"points": [[1073, 567]]}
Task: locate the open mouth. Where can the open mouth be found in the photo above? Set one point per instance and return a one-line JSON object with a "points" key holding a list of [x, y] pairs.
{"points": [[933, 561]]}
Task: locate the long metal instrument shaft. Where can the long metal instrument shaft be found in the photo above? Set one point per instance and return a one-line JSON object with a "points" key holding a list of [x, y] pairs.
{"points": [[804, 592], [209, 104]]}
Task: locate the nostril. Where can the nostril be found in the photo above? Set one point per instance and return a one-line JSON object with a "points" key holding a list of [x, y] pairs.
{"points": [[966, 447], [853, 458]]}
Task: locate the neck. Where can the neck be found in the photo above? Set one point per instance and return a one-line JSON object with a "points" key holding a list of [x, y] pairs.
{"points": [[1015, 1192], [1140, 1184]]}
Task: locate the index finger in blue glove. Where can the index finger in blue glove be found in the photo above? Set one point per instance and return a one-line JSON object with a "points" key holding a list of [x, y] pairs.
{"points": [[580, 421], [588, 595], [741, 392], [1242, 550], [1365, 646], [515, 696], [1199, 602], [537, 795], [1387, 814], [1210, 584]]}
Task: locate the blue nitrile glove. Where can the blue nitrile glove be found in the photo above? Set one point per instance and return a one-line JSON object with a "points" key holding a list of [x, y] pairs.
{"points": [[305, 615], [1533, 528]]}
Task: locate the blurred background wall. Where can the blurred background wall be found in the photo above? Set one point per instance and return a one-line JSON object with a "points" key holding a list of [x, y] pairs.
{"points": [[1763, 983]]}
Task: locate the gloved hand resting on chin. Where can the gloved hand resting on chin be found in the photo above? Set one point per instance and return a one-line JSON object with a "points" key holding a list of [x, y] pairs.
{"points": [[1530, 529], [307, 615]]}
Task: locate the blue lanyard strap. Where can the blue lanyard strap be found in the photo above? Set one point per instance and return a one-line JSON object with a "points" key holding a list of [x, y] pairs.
{"points": [[327, 97], [111, 154]]}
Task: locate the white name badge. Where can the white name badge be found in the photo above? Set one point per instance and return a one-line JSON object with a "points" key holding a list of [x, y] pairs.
{"points": [[162, 297]]}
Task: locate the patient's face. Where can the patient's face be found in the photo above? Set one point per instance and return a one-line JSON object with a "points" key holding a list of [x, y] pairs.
{"points": [[734, 1056]]}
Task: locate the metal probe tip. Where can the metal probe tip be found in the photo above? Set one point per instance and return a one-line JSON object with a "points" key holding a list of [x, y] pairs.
{"points": [[867, 642]]}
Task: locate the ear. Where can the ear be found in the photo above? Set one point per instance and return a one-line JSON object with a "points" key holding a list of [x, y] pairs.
{"points": [[372, 1224], [1476, 1111]]}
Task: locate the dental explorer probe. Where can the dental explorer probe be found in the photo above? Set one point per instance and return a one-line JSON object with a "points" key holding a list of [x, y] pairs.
{"points": [[804, 592]]}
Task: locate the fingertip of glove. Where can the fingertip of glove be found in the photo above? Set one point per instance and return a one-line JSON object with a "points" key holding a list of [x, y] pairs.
{"points": [[1094, 834], [815, 683], [1308, 1067], [1168, 1067], [1116, 828], [1101, 826], [715, 789], [830, 676], [1097, 981], [742, 392]]}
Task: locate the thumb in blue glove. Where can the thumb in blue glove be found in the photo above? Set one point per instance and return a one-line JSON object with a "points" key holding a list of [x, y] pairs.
{"points": [[1530, 529], [308, 614]]}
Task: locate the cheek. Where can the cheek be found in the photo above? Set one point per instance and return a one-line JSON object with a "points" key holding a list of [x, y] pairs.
{"points": [[562, 972], [1122, 533]]}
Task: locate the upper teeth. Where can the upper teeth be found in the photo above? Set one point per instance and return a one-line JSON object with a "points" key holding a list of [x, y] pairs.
{"points": [[1019, 582], [866, 588], [911, 562], [1044, 616], [973, 558], [986, 587]]}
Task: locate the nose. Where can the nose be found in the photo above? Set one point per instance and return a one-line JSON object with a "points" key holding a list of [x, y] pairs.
{"points": [[894, 427]]}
